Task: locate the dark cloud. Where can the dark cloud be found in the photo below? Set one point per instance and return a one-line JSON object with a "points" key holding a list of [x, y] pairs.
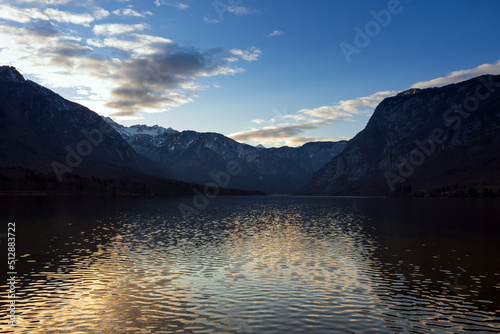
{"points": [[134, 100], [43, 28], [150, 73], [71, 50], [149, 83]]}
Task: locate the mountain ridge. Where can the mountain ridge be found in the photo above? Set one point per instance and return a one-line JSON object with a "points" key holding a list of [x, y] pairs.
{"points": [[191, 156], [49, 145], [43, 132], [459, 123]]}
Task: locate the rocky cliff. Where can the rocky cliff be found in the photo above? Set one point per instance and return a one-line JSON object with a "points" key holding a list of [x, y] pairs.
{"points": [[422, 141]]}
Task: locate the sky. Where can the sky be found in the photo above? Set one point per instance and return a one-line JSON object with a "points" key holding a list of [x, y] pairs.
{"points": [[275, 73]]}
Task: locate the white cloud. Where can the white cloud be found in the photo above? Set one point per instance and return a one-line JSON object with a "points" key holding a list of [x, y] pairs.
{"points": [[462, 75], [348, 108], [281, 131], [276, 33], [250, 55], [284, 134], [175, 4], [139, 45], [242, 11], [82, 92], [21, 15], [111, 29], [67, 17], [100, 13], [45, 2], [127, 12], [153, 73], [210, 20]]}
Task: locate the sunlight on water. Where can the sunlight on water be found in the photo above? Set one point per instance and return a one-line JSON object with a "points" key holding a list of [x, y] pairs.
{"points": [[249, 265]]}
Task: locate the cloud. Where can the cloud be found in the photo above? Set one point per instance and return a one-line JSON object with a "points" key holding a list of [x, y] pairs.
{"points": [[281, 131], [242, 11], [32, 15], [71, 50], [127, 12], [210, 20], [152, 73], [100, 13], [278, 132], [111, 29], [223, 7], [139, 45], [346, 109], [462, 75], [249, 55], [276, 33], [21, 15], [164, 80], [258, 121], [176, 4], [45, 2], [67, 17]]}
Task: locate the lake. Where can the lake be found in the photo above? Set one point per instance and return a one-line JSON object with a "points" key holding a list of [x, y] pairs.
{"points": [[254, 265]]}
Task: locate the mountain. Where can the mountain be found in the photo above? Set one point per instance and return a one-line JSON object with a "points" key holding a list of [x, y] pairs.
{"points": [[48, 143], [42, 131], [54, 143], [443, 141], [195, 157]]}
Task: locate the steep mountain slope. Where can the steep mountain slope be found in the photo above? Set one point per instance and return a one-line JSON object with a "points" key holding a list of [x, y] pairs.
{"points": [[438, 139], [192, 156], [42, 131], [51, 145]]}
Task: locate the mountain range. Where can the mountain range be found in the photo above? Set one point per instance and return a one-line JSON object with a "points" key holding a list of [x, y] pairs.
{"points": [[192, 156], [422, 142], [43, 132]]}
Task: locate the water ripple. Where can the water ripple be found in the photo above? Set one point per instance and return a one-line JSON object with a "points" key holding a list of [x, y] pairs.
{"points": [[269, 265]]}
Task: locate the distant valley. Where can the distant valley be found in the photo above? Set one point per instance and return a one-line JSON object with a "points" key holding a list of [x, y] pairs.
{"points": [[41, 132], [195, 157], [430, 142]]}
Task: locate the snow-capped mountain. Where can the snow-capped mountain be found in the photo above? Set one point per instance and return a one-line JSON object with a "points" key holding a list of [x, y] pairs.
{"points": [[50, 144], [192, 156]]}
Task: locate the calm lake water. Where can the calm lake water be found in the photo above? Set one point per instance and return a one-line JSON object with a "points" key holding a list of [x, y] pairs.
{"points": [[254, 265]]}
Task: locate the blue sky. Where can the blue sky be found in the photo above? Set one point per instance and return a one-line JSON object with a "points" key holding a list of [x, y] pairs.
{"points": [[271, 72]]}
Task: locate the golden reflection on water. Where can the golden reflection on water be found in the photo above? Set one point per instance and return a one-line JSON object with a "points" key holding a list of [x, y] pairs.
{"points": [[270, 268]]}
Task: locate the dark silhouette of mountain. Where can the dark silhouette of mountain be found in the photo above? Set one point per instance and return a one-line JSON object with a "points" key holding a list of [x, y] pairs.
{"points": [[194, 157], [436, 141], [48, 143], [42, 131]]}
